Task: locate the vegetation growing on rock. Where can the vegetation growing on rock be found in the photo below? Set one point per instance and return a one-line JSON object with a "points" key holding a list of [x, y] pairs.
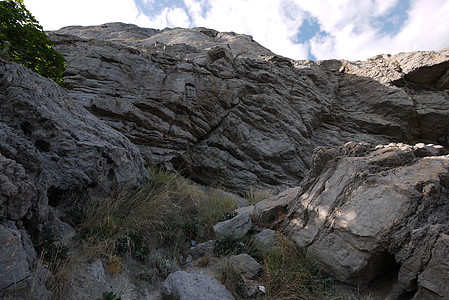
{"points": [[22, 40]]}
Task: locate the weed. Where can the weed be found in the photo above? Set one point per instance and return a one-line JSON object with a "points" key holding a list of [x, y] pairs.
{"points": [[232, 279], [110, 296], [213, 208], [255, 195], [289, 274], [50, 246]]}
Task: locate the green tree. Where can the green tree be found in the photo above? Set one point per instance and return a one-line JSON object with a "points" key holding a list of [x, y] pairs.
{"points": [[23, 41]]}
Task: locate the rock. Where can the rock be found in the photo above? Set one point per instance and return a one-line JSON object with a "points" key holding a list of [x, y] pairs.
{"points": [[266, 240], [234, 228], [222, 109], [433, 281], [21, 276], [185, 286], [202, 249], [92, 280], [269, 212], [248, 265], [53, 145], [17, 192], [367, 210]]}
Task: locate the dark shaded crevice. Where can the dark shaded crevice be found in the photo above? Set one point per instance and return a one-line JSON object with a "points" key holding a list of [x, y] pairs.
{"points": [[214, 128], [15, 283]]}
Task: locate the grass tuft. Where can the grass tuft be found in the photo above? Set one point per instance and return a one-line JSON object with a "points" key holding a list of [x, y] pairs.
{"points": [[289, 274], [255, 195]]}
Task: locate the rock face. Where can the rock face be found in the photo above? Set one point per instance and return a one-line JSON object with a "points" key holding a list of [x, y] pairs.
{"points": [[365, 207], [49, 145], [223, 109]]}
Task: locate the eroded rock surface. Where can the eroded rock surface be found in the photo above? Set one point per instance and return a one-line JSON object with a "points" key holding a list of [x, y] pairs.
{"points": [[366, 208], [50, 144], [223, 109]]}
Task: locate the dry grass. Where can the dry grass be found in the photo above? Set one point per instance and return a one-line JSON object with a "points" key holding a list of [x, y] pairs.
{"points": [[231, 277], [151, 215], [255, 195], [289, 274]]}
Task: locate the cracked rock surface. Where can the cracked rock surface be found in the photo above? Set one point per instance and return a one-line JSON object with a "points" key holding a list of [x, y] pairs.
{"points": [[223, 109], [366, 208]]}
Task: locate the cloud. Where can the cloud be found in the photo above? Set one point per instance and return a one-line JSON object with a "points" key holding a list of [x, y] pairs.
{"points": [[169, 17], [299, 29], [354, 32], [54, 14], [272, 23]]}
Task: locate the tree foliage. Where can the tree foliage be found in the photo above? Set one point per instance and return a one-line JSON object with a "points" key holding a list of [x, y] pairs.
{"points": [[23, 41]]}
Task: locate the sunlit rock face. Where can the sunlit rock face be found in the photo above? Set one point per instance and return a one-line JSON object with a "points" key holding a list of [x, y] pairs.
{"points": [[368, 209], [223, 109]]}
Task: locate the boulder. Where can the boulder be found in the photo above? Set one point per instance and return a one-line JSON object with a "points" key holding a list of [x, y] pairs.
{"points": [[368, 211], [185, 286], [51, 145], [202, 249], [270, 212], [234, 228], [266, 240], [248, 265]]}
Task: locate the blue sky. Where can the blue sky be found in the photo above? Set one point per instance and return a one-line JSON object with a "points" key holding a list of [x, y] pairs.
{"points": [[299, 29]]}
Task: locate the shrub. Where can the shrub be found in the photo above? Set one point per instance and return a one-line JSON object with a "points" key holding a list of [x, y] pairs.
{"points": [[22, 40]]}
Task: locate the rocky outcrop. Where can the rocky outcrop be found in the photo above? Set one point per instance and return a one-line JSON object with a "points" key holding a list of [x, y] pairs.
{"points": [[366, 210], [223, 109], [49, 145]]}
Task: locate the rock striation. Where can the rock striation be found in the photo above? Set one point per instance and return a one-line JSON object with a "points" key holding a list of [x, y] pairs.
{"points": [[223, 109]]}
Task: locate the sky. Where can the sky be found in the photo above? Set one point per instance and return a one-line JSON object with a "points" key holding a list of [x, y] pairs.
{"points": [[298, 29]]}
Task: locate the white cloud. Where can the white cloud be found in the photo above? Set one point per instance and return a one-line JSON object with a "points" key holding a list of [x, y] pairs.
{"points": [[272, 23], [169, 17], [352, 26], [352, 34], [54, 14]]}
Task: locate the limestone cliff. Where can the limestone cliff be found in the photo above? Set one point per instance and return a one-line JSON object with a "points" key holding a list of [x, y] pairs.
{"points": [[223, 109]]}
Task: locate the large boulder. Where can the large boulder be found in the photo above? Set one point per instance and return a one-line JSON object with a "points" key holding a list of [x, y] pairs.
{"points": [[49, 145], [365, 210]]}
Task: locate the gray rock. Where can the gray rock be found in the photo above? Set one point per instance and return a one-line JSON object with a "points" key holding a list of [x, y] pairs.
{"points": [[21, 276], [53, 145], [202, 249], [270, 212], [248, 265], [364, 208], [224, 110], [234, 228], [185, 286], [91, 280], [266, 240]]}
